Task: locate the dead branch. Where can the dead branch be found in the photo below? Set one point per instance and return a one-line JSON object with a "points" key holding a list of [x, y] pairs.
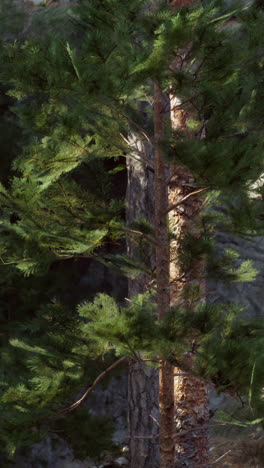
{"points": [[141, 234], [182, 374], [91, 387], [179, 434], [141, 154], [185, 198], [154, 419], [222, 456]]}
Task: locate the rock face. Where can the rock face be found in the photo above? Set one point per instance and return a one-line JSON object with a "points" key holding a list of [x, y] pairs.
{"points": [[53, 452], [249, 294], [112, 402]]}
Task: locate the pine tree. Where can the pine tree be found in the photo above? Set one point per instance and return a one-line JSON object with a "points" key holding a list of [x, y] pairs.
{"points": [[80, 104]]}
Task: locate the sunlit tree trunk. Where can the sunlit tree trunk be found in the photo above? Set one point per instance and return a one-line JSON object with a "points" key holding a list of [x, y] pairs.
{"points": [[166, 389], [183, 400], [190, 392]]}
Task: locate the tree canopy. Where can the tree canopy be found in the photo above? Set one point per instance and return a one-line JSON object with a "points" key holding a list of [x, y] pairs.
{"points": [[74, 103]]}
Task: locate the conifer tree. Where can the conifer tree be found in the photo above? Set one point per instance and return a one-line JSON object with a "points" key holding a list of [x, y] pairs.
{"points": [[80, 104]]}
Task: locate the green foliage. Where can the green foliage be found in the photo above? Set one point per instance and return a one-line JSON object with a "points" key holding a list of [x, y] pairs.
{"points": [[211, 329], [143, 225], [75, 97], [125, 265], [53, 365], [96, 433], [128, 329], [227, 349], [40, 226], [58, 352]]}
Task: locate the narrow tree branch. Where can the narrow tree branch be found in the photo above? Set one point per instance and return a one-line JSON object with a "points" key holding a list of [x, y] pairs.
{"points": [[222, 456], [154, 419], [91, 387], [197, 428], [179, 434], [141, 234], [185, 198], [141, 154], [135, 124], [171, 177], [181, 374]]}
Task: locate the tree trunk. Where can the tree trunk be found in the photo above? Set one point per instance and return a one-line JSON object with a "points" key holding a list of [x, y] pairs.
{"points": [[142, 404], [142, 380], [166, 389], [183, 401], [190, 392]]}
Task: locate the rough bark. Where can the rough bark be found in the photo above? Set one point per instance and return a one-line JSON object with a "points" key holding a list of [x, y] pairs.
{"points": [[183, 403], [142, 380], [142, 413], [191, 410], [190, 392], [166, 389]]}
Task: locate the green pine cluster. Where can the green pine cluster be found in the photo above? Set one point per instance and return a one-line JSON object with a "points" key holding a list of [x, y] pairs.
{"points": [[74, 102]]}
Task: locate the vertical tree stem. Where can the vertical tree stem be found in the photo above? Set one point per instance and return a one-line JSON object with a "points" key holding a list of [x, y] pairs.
{"points": [[166, 379]]}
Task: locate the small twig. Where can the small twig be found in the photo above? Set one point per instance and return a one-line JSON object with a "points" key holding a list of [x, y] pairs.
{"points": [[154, 419], [7, 263], [141, 154], [180, 374], [134, 123], [171, 207], [222, 456], [141, 234], [170, 178], [100, 377], [179, 106], [179, 434], [136, 304], [150, 360], [197, 428]]}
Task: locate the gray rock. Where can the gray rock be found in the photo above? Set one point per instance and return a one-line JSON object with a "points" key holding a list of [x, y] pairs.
{"points": [[248, 294], [53, 451], [121, 461], [112, 401], [73, 464]]}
